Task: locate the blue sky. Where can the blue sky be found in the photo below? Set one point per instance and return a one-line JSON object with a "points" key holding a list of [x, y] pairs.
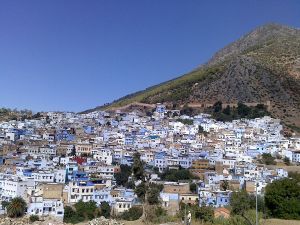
{"points": [[74, 55]]}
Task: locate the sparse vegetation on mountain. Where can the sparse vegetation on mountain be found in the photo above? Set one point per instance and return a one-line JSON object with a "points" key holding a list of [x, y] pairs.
{"points": [[7, 114]]}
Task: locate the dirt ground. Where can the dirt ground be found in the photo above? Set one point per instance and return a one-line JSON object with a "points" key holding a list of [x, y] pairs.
{"points": [[280, 222], [288, 168], [262, 222]]}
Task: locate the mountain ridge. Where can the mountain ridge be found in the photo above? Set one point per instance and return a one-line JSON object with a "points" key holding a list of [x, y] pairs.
{"points": [[261, 66]]}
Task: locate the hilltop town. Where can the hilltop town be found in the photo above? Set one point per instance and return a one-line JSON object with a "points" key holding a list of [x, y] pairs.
{"points": [[58, 160]]}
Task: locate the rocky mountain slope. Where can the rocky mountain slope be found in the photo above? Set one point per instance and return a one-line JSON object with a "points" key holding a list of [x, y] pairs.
{"points": [[263, 65]]}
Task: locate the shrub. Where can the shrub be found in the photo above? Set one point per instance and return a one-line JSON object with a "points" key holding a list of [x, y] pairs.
{"points": [[134, 213], [71, 216], [33, 218], [156, 214], [87, 210], [268, 159], [204, 213]]}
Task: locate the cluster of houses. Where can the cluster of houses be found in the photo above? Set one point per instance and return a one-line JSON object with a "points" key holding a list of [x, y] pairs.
{"points": [[60, 159]]}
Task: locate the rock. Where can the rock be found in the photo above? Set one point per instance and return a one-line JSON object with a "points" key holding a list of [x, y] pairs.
{"points": [[50, 221], [103, 221]]}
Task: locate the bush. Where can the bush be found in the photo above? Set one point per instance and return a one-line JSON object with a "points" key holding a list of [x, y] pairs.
{"points": [[268, 159], [134, 213], [156, 214], [70, 216], [87, 210], [34, 218], [204, 213]]}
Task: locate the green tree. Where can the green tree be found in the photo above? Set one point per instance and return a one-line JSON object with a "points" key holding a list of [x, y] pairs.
{"points": [[138, 167], [282, 199], [141, 191], [260, 202], [105, 209], [240, 204], [186, 110], [217, 106], [243, 110], [176, 175], [122, 177], [16, 207], [227, 110], [186, 121], [153, 193]]}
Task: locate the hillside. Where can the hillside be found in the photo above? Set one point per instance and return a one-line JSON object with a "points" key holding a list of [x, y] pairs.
{"points": [[262, 66]]}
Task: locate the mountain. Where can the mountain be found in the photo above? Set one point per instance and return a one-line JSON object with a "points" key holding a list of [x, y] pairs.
{"points": [[262, 66]]}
